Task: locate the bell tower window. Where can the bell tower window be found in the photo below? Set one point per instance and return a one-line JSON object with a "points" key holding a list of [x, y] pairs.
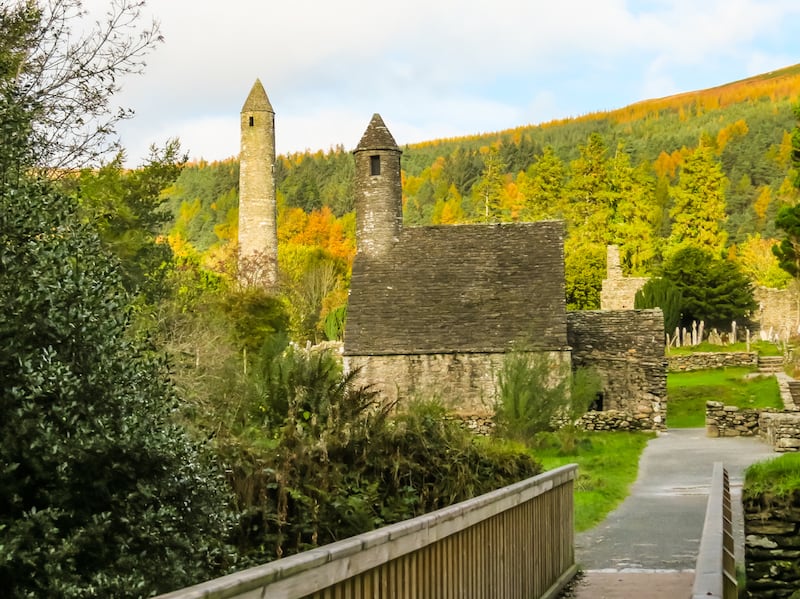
{"points": [[374, 165], [251, 121]]}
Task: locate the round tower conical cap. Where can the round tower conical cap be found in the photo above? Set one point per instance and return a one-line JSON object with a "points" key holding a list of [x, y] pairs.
{"points": [[257, 100], [377, 136]]}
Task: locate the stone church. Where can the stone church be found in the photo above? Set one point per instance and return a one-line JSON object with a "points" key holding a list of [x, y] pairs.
{"points": [[433, 310]]}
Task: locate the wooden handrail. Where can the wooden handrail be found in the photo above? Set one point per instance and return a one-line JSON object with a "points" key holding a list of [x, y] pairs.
{"points": [[515, 542], [715, 572]]}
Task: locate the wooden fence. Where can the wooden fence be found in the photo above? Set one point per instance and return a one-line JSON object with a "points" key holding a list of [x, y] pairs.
{"points": [[516, 542], [715, 572]]}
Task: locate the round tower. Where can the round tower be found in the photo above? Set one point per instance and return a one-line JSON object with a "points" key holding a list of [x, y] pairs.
{"points": [[258, 236], [378, 190]]}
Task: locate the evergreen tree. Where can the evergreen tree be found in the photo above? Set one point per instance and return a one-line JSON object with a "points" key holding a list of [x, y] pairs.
{"points": [[636, 213], [542, 187], [590, 201], [664, 294], [714, 290], [698, 204]]}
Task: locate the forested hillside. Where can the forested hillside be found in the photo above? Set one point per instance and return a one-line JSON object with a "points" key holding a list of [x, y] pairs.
{"points": [[711, 167]]}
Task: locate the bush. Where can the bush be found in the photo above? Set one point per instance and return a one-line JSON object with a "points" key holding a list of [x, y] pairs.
{"points": [[320, 459], [532, 388], [99, 489]]}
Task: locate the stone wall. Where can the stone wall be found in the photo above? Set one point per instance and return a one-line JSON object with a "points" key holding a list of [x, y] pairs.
{"points": [[465, 382], [772, 546], [618, 292], [705, 360], [479, 424], [626, 348], [781, 430], [615, 420], [730, 421], [777, 312]]}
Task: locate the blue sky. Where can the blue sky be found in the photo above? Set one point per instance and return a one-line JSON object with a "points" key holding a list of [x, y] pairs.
{"points": [[434, 68]]}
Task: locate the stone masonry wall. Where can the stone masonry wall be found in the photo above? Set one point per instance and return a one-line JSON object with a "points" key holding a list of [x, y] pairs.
{"points": [[777, 312], [772, 546], [626, 348], [730, 421], [706, 360], [781, 430], [618, 292], [466, 383], [613, 420]]}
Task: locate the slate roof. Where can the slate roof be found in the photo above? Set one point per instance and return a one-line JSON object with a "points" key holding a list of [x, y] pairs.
{"points": [[377, 136], [461, 288], [257, 100]]}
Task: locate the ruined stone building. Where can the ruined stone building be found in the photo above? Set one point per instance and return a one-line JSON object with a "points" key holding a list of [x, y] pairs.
{"points": [[433, 310], [618, 291]]}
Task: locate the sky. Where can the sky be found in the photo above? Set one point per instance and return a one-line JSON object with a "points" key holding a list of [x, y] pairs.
{"points": [[432, 68]]}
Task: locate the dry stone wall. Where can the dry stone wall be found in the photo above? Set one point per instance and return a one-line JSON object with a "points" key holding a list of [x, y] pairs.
{"points": [[614, 420], [731, 421], [706, 360], [626, 348], [772, 546], [781, 430]]}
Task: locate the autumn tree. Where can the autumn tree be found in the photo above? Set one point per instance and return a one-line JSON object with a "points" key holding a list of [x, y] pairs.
{"points": [[759, 263]]}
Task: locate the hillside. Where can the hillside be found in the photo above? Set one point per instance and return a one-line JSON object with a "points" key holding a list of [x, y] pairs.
{"points": [[613, 176]]}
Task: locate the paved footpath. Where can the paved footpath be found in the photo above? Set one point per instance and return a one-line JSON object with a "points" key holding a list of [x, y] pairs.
{"points": [[647, 547]]}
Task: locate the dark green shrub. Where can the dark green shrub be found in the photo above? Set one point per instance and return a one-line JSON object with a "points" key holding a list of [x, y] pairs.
{"points": [[664, 294], [101, 494], [320, 459]]}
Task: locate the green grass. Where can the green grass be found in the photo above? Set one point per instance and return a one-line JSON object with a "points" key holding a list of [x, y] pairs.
{"points": [[763, 348], [607, 466], [778, 477], [687, 393]]}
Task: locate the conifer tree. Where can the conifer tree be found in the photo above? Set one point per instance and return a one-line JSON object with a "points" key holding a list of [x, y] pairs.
{"points": [[698, 204]]}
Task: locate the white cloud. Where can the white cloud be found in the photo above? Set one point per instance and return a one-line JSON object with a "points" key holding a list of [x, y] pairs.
{"points": [[436, 68]]}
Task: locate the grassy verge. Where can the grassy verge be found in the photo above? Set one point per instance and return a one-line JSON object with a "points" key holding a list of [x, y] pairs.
{"points": [[607, 466], [778, 477], [688, 392], [764, 348]]}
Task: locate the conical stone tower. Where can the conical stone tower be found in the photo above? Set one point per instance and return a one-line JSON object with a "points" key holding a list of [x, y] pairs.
{"points": [[378, 190], [258, 236]]}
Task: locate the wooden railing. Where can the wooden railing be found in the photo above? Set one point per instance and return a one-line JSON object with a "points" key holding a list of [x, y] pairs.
{"points": [[715, 572], [516, 542]]}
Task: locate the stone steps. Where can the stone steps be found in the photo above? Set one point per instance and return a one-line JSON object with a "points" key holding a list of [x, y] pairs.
{"points": [[794, 393], [770, 364]]}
